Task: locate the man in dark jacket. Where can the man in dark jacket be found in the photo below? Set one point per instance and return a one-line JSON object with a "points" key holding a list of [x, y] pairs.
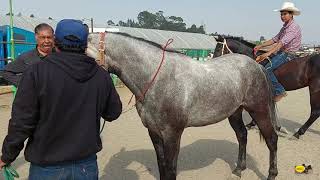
{"points": [[58, 106], [45, 42]]}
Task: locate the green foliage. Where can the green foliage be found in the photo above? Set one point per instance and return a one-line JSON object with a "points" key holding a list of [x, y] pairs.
{"points": [[157, 20]]}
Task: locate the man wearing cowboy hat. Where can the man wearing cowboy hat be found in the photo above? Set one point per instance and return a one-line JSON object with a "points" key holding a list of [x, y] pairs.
{"points": [[286, 43]]}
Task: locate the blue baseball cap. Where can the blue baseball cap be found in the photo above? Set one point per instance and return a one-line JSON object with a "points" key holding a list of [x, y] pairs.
{"points": [[71, 32]]}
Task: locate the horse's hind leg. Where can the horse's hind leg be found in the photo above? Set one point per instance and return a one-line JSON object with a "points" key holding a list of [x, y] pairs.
{"points": [[315, 113], [238, 126], [263, 120]]}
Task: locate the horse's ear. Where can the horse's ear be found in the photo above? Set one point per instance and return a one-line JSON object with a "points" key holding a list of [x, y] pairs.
{"points": [[219, 38]]}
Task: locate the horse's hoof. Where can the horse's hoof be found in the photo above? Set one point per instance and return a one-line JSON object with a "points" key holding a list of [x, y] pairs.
{"points": [[237, 172], [283, 130], [271, 177], [234, 177], [293, 138], [296, 135]]}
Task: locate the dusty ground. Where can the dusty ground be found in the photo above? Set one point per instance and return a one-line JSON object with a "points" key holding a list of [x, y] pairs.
{"points": [[206, 153]]}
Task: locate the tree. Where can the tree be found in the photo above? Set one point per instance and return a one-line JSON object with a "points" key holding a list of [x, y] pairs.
{"points": [[132, 23], [174, 23], [201, 30], [157, 20], [161, 21], [110, 23], [193, 29], [262, 38], [121, 23], [147, 20]]}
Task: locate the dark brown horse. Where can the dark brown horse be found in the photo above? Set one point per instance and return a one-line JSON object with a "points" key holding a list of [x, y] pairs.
{"points": [[297, 73]]}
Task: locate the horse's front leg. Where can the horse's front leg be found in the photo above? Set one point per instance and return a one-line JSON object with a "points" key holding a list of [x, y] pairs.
{"points": [[157, 142], [167, 146], [171, 147]]}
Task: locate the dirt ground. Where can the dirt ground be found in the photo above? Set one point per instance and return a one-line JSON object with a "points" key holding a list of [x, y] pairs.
{"points": [[206, 153]]}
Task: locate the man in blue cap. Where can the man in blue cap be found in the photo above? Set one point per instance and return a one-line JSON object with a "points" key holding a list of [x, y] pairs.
{"points": [[58, 107]]}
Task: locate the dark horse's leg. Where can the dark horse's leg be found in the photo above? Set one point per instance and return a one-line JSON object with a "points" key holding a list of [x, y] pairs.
{"points": [[251, 124], [237, 125], [262, 119], [315, 113], [167, 148]]}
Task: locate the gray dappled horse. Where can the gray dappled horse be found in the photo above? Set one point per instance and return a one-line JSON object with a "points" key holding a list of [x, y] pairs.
{"points": [[187, 93]]}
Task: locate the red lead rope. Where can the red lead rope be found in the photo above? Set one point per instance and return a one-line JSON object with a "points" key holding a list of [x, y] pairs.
{"points": [[148, 85]]}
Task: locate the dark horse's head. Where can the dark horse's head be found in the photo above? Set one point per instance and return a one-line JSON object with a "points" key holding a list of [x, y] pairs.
{"points": [[226, 45]]}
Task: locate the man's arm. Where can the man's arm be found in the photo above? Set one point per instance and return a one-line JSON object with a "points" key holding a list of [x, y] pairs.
{"points": [[270, 42], [113, 107], [267, 43], [13, 71], [274, 49], [24, 118]]}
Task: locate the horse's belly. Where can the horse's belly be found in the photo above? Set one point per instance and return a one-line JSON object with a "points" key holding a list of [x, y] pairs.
{"points": [[211, 115]]}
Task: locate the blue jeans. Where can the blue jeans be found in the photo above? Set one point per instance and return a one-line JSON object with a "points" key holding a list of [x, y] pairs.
{"points": [[86, 169], [279, 59]]}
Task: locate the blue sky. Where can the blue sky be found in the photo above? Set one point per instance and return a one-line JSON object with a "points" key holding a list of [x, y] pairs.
{"points": [[248, 18]]}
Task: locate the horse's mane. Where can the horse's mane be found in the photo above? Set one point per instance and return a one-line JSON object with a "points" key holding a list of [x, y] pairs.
{"points": [[146, 41], [242, 41]]}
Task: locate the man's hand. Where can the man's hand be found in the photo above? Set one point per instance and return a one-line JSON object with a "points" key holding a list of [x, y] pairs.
{"points": [[262, 57], [2, 164], [257, 48]]}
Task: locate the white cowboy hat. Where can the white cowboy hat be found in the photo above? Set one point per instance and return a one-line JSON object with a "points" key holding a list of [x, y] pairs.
{"points": [[289, 6]]}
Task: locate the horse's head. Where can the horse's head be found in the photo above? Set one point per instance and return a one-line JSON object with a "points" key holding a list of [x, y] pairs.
{"points": [[92, 49], [235, 45], [97, 49], [222, 46]]}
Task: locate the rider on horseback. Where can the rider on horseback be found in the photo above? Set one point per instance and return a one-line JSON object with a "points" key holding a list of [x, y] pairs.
{"points": [[285, 44]]}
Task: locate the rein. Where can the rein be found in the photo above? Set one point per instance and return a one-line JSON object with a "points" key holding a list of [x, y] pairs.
{"points": [[101, 58], [9, 173]]}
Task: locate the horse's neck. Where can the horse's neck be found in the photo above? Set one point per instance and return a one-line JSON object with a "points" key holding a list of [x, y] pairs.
{"points": [[137, 62], [246, 50]]}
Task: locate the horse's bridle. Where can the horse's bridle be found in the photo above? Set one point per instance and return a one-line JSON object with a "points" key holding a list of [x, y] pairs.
{"points": [[225, 45], [102, 45]]}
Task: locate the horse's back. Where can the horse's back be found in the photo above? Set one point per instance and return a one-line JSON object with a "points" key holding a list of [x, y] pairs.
{"points": [[234, 62], [228, 82]]}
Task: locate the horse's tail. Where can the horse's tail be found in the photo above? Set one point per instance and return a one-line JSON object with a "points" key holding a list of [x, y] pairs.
{"points": [[272, 103]]}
